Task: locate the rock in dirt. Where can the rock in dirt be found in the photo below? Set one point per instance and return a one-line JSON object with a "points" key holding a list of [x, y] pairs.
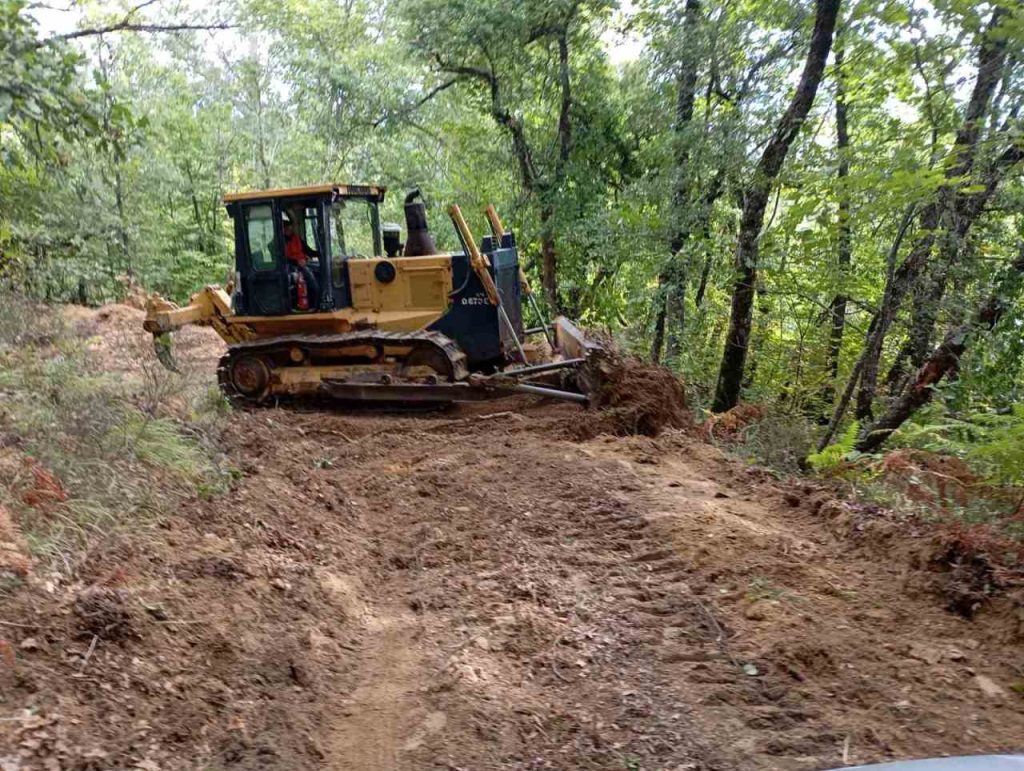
{"points": [[280, 584], [924, 653], [989, 687], [761, 610], [955, 654], [106, 614]]}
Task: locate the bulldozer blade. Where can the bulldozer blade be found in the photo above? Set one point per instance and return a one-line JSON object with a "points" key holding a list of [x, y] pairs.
{"points": [[573, 343], [164, 350], [440, 393]]}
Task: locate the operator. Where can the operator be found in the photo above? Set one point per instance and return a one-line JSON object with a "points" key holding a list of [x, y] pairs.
{"points": [[296, 251]]}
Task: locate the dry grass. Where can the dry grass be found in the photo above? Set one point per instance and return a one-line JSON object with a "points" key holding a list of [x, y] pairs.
{"points": [[88, 453]]}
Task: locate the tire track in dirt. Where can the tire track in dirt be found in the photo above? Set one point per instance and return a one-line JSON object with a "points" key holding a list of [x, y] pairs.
{"points": [[380, 712], [609, 605], [540, 596], [856, 659]]}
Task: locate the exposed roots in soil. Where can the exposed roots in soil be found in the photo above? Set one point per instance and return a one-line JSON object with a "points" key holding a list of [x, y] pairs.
{"points": [[634, 397]]}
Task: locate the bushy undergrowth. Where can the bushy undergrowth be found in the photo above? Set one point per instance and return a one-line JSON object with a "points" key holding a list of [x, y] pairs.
{"points": [[113, 449], [778, 441], [962, 472], [991, 441], [773, 436], [960, 467]]}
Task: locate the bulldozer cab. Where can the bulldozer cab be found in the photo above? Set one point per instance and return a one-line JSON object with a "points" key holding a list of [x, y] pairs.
{"points": [[275, 274]]}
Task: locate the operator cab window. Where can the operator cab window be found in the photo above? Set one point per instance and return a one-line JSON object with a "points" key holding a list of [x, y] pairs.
{"points": [[259, 228], [310, 229], [352, 234], [314, 236]]}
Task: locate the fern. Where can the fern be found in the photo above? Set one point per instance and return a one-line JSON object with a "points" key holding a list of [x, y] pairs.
{"points": [[1003, 453], [836, 453], [992, 442]]}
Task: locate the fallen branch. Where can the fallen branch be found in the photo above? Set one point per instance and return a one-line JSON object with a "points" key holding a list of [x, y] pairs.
{"points": [[330, 432], [88, 654], [476, 418]]}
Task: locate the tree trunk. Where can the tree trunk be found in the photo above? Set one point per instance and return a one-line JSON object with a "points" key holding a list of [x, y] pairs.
{"points": [[672, 279], [952, 210], [661, 302], [840, 410], [961, 210], [730, 376], [545, 187], [702, 286], [943, 360], [844, 250], [969, 207], [116, 154], [897, 284], [261, 141], [676, 312], [671, 309], [924, 314], [122, 228], [548, 250], [549, 260]]}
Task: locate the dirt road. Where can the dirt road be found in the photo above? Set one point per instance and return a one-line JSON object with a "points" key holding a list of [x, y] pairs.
{"points": [[476, 590], [481, 593]]}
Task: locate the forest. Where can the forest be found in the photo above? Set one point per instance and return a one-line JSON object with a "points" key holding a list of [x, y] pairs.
{"points": [[810, 205]]}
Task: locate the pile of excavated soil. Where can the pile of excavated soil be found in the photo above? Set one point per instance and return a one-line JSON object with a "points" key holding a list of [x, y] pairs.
{"points": [[634, 397], [118, 342]]}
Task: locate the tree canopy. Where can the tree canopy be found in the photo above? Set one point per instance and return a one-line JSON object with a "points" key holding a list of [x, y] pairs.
{"points": [[816, 204]]}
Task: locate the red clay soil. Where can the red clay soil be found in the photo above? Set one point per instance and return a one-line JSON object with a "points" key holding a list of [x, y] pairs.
{"points": [[473, 590]]}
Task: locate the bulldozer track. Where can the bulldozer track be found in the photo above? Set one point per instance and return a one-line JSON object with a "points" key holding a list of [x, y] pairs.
{"points": [[276, 355], [493, 571]]}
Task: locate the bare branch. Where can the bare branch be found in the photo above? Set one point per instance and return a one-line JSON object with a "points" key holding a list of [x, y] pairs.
{"points": [[127, 26], [407, 111]]}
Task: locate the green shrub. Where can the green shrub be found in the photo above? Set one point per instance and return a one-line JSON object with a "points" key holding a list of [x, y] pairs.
{"points": [[991, 441], [838, 452]]}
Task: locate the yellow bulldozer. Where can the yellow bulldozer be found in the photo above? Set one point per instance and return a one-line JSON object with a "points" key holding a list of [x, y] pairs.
{"points": [[326, 300]]}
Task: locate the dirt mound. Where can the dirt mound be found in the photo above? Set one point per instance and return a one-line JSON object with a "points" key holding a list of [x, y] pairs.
{"points": [[103, 320], [729, 425], [634, 397], [117, 340]]}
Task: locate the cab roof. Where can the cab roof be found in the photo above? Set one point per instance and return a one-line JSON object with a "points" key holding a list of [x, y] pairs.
{"points": [[335, 190]]}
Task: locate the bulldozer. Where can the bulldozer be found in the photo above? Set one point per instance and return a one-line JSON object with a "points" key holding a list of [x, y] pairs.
{"points": [[328, 301]]}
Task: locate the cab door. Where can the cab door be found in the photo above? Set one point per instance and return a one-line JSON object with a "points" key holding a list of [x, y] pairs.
{"points": [[264, 270]]}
